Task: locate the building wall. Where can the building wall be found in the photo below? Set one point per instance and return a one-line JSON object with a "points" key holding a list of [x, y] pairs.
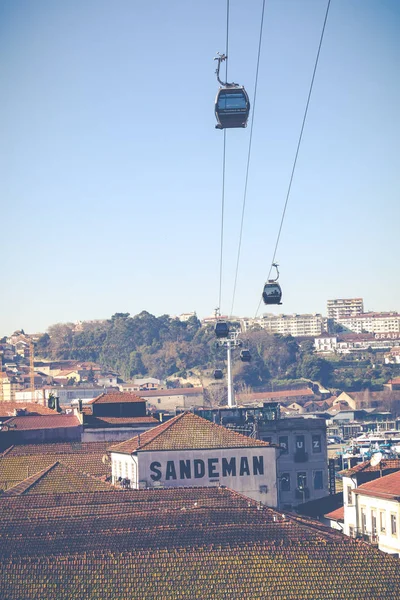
{"points": [[157, 469], [40, 436], [382, 534], [111, 434], [349, 505], [65, 395], [298, 463], [343, 307], [170, 403], [296, 325]]}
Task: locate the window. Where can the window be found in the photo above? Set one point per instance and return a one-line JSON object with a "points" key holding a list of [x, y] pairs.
{"points": [[300, 446], [316, 444], [363, 519], [159, 401], [284, 444], [382, 521], [351, 530], [318, 480], [285, 482], [373, 521], [349, 495], [301, 479], [393, 524]]}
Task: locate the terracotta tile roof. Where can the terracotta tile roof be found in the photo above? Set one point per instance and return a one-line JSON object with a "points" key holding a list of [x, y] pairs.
{"points": [[179, 544], [8, 408], [336, 515], [366, 467], [54, 421], [20, 462], [59, 448], [187, 431], [57, 479], [92, 421], [387, 486], [194, 391], [115, 397]]}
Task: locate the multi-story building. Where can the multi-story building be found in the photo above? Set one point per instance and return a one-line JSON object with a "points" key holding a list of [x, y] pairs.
{"points": [[295, 325], [189, 451], [371, 507], [302, 464], [341, 308], [373, 322]]}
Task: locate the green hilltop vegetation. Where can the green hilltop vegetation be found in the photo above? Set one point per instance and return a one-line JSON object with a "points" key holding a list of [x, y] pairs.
{"points": [[167, 348]]}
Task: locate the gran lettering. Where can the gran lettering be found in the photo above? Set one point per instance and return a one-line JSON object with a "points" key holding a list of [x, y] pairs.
{"points": [[213, 468]]}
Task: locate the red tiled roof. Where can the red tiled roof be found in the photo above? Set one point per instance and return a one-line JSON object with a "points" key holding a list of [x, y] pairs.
{"points": [[115, 398], [172, 392], [8, 408], [55, 479], [206, 543], [92, 421], [187, 431], [387, 486], [42, 422], [366, 467], [336, 515]]}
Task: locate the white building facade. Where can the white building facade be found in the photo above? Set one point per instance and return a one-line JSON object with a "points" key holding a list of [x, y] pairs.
{"points": [[341, 308], [243, 464]]}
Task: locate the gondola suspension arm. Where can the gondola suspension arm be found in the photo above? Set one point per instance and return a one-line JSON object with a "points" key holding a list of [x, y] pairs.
{"points": [[221, 58]]}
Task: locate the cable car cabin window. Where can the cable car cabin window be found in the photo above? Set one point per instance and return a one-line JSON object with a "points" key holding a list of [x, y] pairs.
{"points": [[232, 101], [272, 293]]}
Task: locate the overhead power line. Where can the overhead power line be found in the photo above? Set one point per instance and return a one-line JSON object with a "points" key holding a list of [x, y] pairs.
{"points": [[248, 157], [223, 169], [298, 146]]}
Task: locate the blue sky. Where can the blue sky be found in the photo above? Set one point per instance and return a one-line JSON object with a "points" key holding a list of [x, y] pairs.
{"points": [[111, 168]]}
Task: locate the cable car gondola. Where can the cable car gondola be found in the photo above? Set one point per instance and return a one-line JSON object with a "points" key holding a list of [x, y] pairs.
{"points": [[272, 293], [221, 329], [218, 374], [245, 356], [232, 104]]}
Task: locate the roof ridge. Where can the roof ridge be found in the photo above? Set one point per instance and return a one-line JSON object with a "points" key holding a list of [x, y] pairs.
{"points": [[7, 450], [30, 481], [168, 425]]}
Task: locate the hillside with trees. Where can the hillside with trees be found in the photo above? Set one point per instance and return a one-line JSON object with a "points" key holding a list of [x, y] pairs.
{"points": [[165, 347]]}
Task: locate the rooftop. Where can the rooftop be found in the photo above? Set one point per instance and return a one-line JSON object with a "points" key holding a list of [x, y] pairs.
{"points": [[187, 431], [53, 421], [31, 408], [383, 487], [366, 467], [99, 422], [208, 543], [115, 398], [57, 479]]}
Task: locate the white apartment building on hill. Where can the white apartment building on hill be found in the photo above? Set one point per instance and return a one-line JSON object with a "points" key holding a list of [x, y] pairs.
{"points": [[342, 308], [373, 322], [295, 325]]}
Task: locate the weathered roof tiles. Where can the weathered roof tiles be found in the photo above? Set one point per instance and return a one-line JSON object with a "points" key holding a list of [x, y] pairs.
{"points": [[187, 431]]}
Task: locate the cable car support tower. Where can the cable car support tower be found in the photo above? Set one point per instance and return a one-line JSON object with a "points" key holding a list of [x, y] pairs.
{"points": [[230, 343]]}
